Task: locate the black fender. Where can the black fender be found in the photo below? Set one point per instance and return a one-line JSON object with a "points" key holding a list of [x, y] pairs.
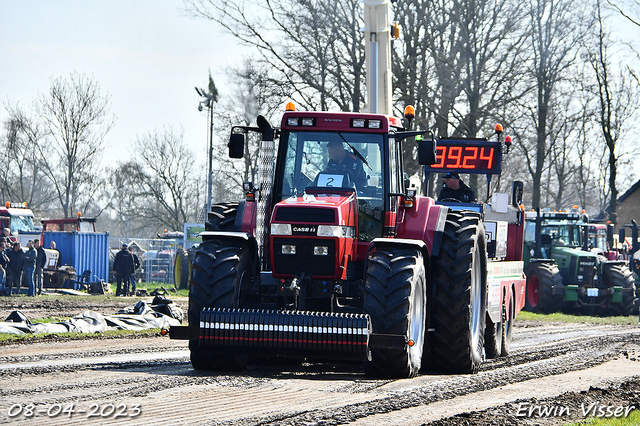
{"points": [[243, 237]]}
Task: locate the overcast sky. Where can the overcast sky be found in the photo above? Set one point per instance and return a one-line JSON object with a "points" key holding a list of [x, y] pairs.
{"points": [[146, 54]]}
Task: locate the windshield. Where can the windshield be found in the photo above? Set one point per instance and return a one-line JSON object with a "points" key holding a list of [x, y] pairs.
{"points": [[21, 224], [357, 156], [558, 234]]}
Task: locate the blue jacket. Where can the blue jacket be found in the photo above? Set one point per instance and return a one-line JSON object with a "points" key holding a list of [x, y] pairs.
{"points": [[30, 258]]}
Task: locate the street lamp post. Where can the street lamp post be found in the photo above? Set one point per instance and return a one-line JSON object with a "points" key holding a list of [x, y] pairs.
{"points": [[210, 98]]}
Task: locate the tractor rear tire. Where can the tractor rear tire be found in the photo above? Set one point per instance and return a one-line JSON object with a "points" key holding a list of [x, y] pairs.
{"points": [[182, 269], [541, 277], [460, 305], [620, 275], [222, 217], [395, 299], [220, 270]]}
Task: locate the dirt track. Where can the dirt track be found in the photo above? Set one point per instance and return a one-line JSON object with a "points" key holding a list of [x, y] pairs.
{"points": [[552, 363]]}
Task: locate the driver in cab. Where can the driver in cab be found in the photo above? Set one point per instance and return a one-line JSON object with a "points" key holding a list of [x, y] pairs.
{"points": [[454, 188], [343, 162]]}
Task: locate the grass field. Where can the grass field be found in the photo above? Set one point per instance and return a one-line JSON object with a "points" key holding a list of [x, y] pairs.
{"points": [[632, 420], [558, 317]]}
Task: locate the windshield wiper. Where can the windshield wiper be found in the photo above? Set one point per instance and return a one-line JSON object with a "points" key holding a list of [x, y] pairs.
{"points": [[355, 151]]}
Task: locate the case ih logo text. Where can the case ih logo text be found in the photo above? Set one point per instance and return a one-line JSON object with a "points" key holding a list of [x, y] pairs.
{"points": [[304, 229]]}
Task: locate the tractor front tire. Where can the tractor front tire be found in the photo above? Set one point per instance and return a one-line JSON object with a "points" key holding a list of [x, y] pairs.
{"points": [[220, 270], [541, 278], [620, 275], [460, 305], [394, 298]]}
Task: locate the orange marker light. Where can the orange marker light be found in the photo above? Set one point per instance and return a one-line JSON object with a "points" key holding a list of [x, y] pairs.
{"points": [[411, 343], [498, 128], [290, 106], [409, 112], [78, 214]]}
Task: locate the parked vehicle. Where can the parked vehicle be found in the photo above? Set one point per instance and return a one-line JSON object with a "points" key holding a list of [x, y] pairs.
{"points": [[563, 273], [19, 219]]}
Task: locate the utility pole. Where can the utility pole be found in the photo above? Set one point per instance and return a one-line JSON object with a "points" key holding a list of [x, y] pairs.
{"points": [[210, 98]]}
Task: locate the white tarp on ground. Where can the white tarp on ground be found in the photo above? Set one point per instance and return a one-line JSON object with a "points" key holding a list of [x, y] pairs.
{"points": [[140, 316]]}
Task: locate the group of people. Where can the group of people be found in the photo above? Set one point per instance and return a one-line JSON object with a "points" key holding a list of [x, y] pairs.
{"points": [[125, 265], [20, 268]]}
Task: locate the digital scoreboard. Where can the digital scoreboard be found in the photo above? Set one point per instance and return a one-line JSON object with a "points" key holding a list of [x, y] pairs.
{"points": [[467, 156]]}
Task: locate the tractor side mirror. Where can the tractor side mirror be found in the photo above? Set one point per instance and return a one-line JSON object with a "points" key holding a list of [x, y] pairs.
{"points": [[236, 145], [427, 152], [516, 193]]}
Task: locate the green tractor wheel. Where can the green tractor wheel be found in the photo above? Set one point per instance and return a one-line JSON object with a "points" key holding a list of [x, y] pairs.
{"points": [[182, 271]]}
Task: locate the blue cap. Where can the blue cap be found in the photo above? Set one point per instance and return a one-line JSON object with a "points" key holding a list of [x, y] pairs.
{"points": [[452, 176]]}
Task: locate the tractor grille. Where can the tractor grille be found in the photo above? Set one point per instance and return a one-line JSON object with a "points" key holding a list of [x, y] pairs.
{"points": [[286, 332], [304, 260], [305, 214]]}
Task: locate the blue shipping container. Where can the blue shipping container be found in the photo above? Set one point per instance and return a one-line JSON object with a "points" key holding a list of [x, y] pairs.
{"points": [[82, 250]]}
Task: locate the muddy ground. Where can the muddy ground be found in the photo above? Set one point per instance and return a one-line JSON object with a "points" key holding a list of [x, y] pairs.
{"points": [[561, 368], [44, 306]]}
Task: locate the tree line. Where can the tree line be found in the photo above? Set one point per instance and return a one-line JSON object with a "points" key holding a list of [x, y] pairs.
{"points": [[550, 71], [53, 150]]}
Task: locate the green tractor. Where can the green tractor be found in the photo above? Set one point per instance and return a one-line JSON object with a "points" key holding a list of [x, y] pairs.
{"points": [[564, 274], [633, 254]]}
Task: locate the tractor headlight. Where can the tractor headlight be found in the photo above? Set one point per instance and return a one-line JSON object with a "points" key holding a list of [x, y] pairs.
{"points": [[321, 251], [280, 229], [335, 231], [288, 249]]}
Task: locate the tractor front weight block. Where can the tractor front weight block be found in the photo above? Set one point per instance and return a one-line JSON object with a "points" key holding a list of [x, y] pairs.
{"points": [[286, 333]]}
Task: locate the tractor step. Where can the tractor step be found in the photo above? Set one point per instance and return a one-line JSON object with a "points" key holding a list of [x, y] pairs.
{"points": [[286, 333]]}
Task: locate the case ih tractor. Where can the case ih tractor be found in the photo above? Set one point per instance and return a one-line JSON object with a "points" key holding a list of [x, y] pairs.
{"points": [[345, 261], [563, 273]]}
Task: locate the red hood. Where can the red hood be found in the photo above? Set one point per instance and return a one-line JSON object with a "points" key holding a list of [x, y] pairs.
{"points": [[317, 200]]}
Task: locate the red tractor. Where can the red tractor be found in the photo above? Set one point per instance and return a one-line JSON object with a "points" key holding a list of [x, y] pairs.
{"points": [[343, 260]]}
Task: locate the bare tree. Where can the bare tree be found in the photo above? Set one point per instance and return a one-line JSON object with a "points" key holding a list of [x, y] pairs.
{"points": [[618, 104], [22, 178], [77, 119], [630, 9], [165, 180], [557, 29], [250, 98], [314, 48]]}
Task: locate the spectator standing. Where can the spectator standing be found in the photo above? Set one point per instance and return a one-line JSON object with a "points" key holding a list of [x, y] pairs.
{"points": [[14, 273], [136, 265], [41, 262], [6, 235], [124, 269], [30, 258], [4, 264]]}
